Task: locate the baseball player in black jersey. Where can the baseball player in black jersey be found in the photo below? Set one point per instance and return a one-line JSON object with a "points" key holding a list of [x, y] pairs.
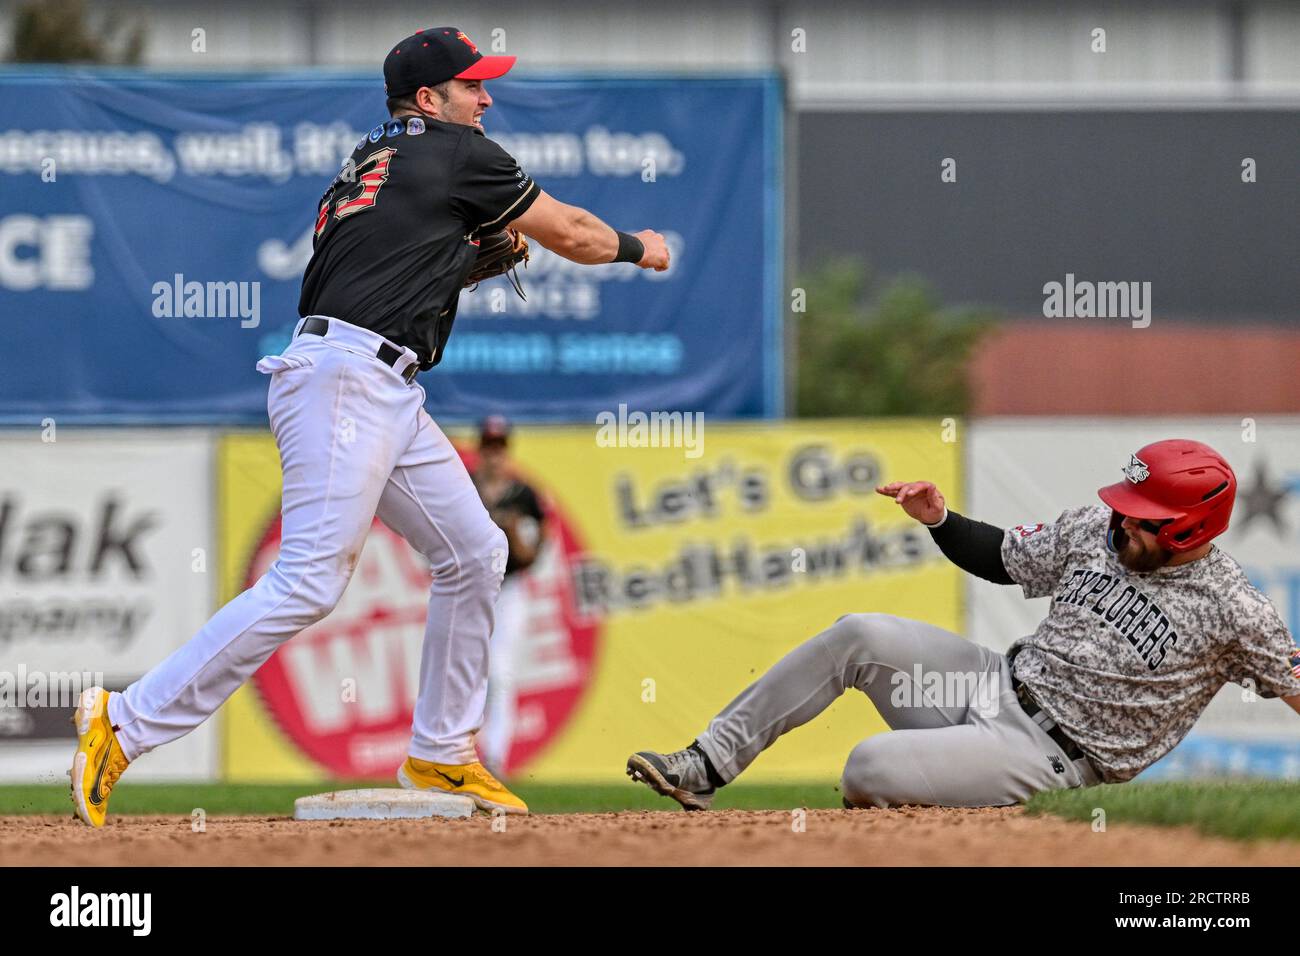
{"points": [[1149, 618], [511, 502], [516, 510], [396, 236]]}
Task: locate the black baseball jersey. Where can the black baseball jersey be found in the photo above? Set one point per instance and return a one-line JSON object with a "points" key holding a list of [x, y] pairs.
{"points": [[396, 232], [520, 500]]}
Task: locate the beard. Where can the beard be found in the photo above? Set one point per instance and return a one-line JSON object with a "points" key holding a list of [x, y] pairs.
{"points": [[1139, 558]]}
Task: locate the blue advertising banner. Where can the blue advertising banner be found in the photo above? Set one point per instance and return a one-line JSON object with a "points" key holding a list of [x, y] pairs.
{"points": [[154, 231]]}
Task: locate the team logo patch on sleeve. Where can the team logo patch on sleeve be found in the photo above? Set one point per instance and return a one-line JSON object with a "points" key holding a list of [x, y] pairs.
{"points": [[1025, 530], [1136, 470]]}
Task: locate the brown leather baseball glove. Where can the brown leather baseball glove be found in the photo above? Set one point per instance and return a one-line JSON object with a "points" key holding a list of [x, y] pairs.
{"points": [[499, 253]]}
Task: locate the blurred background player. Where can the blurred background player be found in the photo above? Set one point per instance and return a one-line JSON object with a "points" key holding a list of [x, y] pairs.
{"points": [[514, 507]]}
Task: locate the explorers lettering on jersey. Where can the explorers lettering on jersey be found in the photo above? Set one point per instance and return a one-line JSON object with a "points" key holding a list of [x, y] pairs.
{"points": [[1133, 614]]}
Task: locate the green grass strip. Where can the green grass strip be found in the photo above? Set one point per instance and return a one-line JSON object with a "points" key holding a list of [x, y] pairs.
{"points": [[1238, 809], [277, 799], [1243, 810]]}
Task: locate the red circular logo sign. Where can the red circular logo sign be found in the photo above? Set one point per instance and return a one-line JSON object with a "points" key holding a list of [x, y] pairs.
{"points": [[343, 691]]}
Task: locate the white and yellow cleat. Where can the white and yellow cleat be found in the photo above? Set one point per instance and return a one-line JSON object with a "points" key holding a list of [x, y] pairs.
{"points": [[99, 760], [467, 779]]}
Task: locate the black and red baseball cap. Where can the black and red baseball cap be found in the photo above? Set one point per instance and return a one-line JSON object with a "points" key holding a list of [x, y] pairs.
{"points": [[494, 430], [433, 56]]}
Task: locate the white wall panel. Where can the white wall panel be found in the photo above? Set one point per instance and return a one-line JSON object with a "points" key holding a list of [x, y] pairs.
{"points": [[856, 51], [1272, 46], [106, 566]]}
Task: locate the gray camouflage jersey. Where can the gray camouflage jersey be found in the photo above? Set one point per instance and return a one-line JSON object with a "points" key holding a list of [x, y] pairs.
{"points": [[1126, 662]]}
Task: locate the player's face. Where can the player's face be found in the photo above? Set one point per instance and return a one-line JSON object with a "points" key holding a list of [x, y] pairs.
{"points": [[492, 455], [1141, 552], [467, 101]]}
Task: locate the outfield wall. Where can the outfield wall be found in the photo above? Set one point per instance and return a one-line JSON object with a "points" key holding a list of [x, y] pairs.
{"points": [[152, 327], [105, 548], [669, 582]]}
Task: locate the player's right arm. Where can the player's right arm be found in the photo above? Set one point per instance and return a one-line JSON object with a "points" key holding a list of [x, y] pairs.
{"points": [[580, 236], [973, 546]]}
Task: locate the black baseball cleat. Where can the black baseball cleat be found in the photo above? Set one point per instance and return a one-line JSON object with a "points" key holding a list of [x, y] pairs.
{"points": [[681, 775]]}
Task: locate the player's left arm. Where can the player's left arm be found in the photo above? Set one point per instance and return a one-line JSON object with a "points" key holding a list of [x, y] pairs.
{"points": [[1293, 702]]}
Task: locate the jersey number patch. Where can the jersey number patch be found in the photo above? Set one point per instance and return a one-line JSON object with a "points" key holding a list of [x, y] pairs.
{"points": [[371, 174]]}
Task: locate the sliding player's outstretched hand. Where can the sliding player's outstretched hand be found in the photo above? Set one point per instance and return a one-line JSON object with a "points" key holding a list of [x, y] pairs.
{"points": [[920, 499]]}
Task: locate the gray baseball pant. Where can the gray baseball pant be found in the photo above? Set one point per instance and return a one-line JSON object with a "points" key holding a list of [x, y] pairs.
{"points": [[958, 736]]}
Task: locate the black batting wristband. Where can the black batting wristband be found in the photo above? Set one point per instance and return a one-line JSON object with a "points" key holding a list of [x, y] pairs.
{"points": [[973, 546], [630, 248]]}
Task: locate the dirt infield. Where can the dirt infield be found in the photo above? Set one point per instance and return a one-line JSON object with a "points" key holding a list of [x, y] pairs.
{"points": [[928, 837]]}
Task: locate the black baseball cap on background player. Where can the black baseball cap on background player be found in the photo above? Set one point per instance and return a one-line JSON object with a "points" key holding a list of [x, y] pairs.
{"points": [[433, 56], [494, 430]]}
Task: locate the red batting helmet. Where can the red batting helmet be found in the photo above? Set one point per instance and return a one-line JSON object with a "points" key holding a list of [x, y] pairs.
{"points": [[1185, 483]]}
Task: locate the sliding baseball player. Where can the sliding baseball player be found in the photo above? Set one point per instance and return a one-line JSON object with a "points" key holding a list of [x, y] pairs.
{"points": [[1148, 619]]}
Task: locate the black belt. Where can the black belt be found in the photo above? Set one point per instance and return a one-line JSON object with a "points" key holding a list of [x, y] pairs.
{"points": [[388, 354], [1027, 703]]}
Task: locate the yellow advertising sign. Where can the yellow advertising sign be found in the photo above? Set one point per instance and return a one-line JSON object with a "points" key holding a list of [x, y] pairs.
{"points": [[672, 577]]}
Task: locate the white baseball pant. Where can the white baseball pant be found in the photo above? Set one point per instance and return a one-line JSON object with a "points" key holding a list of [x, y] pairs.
{"points": [[354, 441], [497, 735]]}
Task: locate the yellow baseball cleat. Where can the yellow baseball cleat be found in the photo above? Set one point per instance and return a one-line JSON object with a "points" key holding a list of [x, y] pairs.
{"points": [[467, 779], [99, 760]]}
